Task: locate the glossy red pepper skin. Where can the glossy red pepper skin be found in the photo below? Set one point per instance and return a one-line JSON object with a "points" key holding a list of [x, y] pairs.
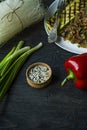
{"points": [[78, 65]]}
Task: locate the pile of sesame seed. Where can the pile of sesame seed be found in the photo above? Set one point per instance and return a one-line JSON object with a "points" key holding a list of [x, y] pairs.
{"points": [[39, 74]]}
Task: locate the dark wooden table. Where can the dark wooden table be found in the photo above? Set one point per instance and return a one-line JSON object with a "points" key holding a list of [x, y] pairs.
{"points": [[51, 108]]}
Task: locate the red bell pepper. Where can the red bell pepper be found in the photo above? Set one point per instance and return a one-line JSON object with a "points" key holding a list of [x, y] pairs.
{"points": [[76, 67]]}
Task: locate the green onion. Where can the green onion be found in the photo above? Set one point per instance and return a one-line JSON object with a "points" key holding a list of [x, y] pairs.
{"points": [[4, 59], [20, 45], [13, 68], [11, 58]]}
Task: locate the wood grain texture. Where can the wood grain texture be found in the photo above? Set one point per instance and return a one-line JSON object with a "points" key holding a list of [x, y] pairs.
{"points": [[51, 108]]}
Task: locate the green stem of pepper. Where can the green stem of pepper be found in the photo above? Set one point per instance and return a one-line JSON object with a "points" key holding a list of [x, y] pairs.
{"points": [[70, 76]]}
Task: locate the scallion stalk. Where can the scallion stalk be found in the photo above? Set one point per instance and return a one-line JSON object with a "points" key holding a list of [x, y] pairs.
{"points": [[11, 58], [5, 58], [20, 45], [9, 75]]}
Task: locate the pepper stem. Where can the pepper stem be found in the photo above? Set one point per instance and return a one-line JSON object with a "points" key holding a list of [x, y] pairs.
{"points": [[69, 77]]}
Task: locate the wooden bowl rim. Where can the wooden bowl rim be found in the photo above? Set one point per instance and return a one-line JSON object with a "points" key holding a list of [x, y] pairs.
{"points": [[34, 84]]}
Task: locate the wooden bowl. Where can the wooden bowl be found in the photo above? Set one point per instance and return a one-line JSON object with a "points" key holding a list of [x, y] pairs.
{"points": [[33, 73]]}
